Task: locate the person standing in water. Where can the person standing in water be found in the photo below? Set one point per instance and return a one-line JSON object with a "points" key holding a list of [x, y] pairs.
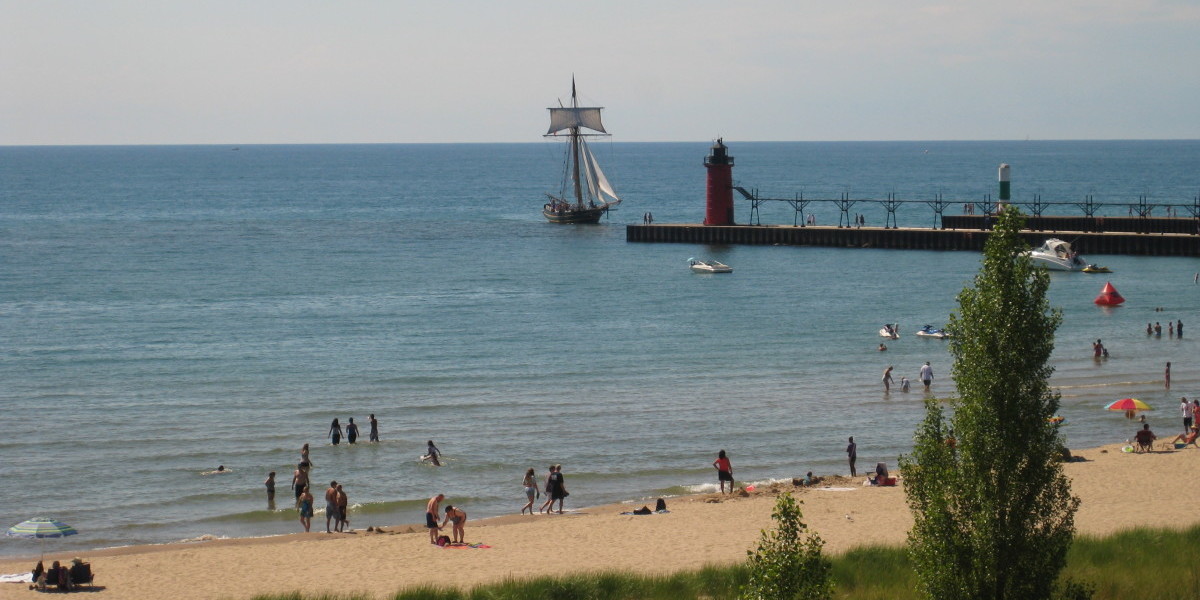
{"points": [[300, 480], [1167, 375], [432, 452], [926, 375], [270, 484], [724, 471], [887, 378], [351, 431], [305, 502], [304, 456], [335, 431], [374, 428]]}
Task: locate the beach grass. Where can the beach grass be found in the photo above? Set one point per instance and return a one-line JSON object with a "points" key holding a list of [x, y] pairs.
{"points": [[1142, 562]]}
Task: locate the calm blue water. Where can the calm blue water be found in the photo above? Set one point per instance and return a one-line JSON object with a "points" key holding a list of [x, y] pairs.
{"points": [[164, 310]]}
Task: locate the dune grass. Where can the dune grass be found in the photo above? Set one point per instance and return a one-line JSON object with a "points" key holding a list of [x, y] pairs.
{"points": [[1138, 563]]}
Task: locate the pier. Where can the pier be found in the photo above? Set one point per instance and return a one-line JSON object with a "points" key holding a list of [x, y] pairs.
{"points": [[1088, 243]]}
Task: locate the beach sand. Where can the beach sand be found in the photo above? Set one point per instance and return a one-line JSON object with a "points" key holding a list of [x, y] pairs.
{"points": [[1118, 491]]}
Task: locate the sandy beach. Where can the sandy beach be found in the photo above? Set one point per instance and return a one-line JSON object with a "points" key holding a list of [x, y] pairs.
{"points": [[699, 530]]}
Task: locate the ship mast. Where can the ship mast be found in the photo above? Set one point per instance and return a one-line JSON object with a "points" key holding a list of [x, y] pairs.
{"points": [[575, 150]]}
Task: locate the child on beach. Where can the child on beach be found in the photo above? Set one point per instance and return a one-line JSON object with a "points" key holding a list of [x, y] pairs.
{"points": [[724, 471], [305, 501]]}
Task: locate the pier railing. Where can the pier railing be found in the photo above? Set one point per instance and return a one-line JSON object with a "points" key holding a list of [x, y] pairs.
{"points": [[1096, 216]]}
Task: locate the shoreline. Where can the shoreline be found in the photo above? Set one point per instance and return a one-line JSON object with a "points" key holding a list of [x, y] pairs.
{"points": [[699, 530]]}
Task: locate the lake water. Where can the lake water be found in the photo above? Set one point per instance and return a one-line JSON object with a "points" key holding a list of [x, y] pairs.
{"points": [[164, 310]]}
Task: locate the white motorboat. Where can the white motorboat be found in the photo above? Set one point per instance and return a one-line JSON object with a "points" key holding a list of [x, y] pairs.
{"points": [[1056, 255], [890, 331], [709, 266], [930, 332]]}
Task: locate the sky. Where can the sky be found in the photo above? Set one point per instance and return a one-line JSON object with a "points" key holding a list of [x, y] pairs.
{"points": [[351, 71]]}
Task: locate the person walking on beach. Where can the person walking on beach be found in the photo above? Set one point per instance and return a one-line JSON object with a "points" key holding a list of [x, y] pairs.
{"points": [[305, 502], [926, 375], [432, 452], [335, 431], [531, 490], [560, 492], [852, 454], [1185, 409], [724, 471], [351, 431], [457, 516], [549, 489], [374, 428], [300, 480], [431, 513], [887, 379], [331, 506]]}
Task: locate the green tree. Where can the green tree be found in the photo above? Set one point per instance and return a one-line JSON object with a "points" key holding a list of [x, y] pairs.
{"points": [[993, 511], [788, 564]]}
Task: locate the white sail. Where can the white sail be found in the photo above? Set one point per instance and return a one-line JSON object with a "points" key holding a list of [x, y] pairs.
{"points": [[596, 181], [566, 118]]}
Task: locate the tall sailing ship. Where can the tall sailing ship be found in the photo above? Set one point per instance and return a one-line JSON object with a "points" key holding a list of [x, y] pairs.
{"points": [[590, 193]]}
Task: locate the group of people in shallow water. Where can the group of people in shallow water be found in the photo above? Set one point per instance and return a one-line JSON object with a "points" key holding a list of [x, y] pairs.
{"points": [[335, 430]]}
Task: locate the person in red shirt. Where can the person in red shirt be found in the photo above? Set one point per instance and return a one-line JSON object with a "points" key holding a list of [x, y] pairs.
{"points": [[724, 471]]}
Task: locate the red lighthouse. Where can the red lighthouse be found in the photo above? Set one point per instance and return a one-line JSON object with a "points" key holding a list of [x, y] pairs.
{"points": [[719, 210]]}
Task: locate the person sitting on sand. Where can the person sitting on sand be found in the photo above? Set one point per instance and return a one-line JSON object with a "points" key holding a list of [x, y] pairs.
{"points": [[457, 516], [1145, 438], [37, 573], [1186, 438], [80, 572]]}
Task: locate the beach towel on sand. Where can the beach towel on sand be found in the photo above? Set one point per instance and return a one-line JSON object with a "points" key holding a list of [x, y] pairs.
{"points": [[17, 578], [482, 546]]}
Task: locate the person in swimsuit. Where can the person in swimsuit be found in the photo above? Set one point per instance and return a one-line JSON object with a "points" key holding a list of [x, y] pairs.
{"points": [[457, 516], [343, 503], [374, 428], [304, 456], [306, 508], [331, 506], [351, 431], [431, 511], [335, 431], [270, 484], [724, 471], [887, 378], [432, 452], [530, 490], [300, 480]]}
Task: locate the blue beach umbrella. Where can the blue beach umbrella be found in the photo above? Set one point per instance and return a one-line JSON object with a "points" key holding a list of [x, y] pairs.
{"points": [[40, 528]]}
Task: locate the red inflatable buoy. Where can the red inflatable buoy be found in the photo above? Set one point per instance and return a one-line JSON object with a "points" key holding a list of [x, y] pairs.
{"points": [[1109, 296]]}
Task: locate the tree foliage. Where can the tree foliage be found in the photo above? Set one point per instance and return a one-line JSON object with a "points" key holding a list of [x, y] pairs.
{"points": [[788, 564], [993, 511]]}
